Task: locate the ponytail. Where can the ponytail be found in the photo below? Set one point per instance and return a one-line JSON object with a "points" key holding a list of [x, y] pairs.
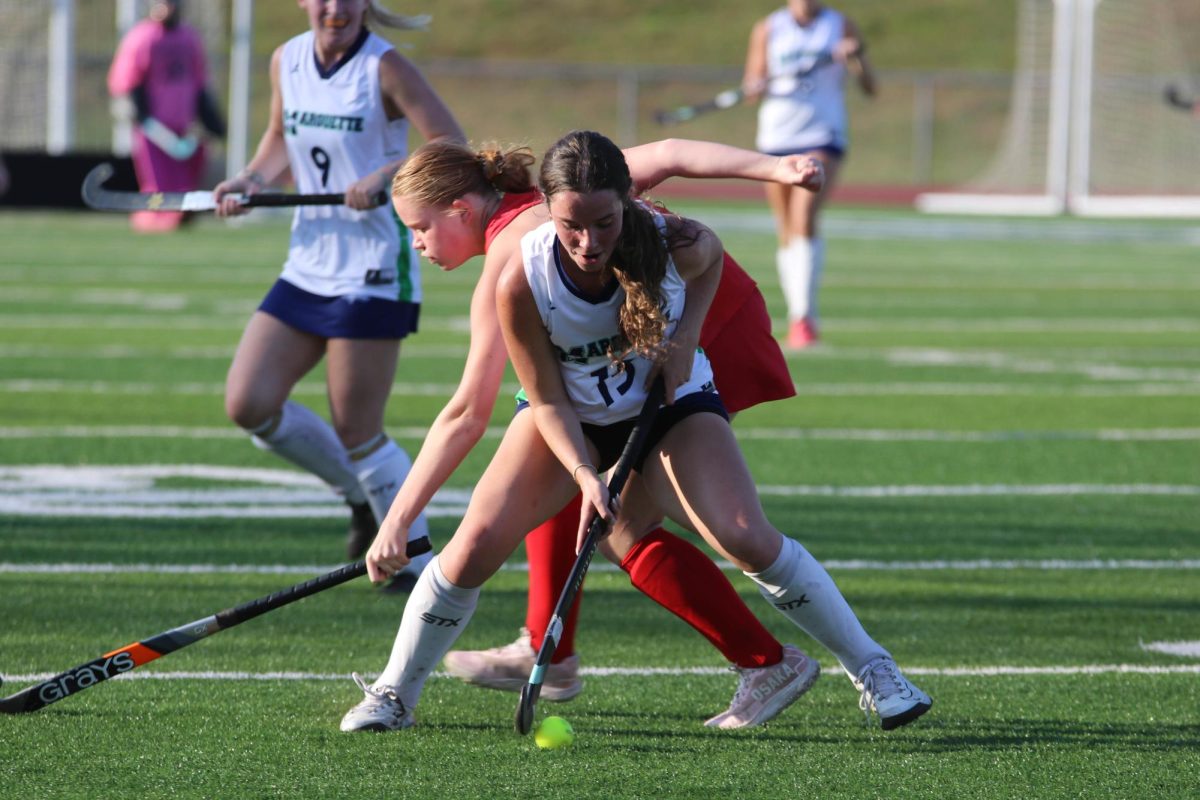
{"points": [[438, 173]]}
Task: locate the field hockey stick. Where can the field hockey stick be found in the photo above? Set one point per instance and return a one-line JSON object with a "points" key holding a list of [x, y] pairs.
{"points": [[633, 446], [101, 199], [134, 655], [727, 98], [1177, 99]]}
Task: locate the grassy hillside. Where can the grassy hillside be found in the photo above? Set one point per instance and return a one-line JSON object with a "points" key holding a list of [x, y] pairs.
{"points": [[904, 34], [909, 35]]}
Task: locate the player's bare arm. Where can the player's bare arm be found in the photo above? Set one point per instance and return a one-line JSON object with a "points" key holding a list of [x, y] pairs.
{"points": [[270, 160]]}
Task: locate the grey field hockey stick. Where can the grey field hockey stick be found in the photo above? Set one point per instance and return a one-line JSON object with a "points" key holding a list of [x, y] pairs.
{"points": [[728, 98], [134, 655], [1175, 97], [95, 196], [633, 446]]}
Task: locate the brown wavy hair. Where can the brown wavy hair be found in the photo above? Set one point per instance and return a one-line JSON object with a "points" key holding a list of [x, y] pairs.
{"points": [[438, 173], [586, 161]]}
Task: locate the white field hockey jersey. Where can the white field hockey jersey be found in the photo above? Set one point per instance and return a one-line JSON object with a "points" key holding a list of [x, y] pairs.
{"points": [[581, 330], [804, 105], [337, 132]]}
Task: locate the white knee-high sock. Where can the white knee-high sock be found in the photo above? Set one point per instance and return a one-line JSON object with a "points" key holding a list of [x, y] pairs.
{"points": [[796, 276], [299, 435], [817, 247], [434, 616], [381, 469], [799, 586]]}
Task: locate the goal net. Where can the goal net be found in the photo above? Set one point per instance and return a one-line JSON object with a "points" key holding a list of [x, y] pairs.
{"points": [[1089, 131], [54, 56]]}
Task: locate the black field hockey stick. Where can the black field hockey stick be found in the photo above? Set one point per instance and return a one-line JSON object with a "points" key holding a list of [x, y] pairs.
{"points": [[727, 98], [134, 655], [633, 446], [1176, 98], [101, 199]]}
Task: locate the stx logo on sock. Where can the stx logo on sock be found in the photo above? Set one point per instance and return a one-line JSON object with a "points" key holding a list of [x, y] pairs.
{"points": [[789, 605], [441, 622]]}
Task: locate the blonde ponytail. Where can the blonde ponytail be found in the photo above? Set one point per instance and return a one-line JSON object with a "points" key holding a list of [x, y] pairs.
{"points": [[377, 13]]}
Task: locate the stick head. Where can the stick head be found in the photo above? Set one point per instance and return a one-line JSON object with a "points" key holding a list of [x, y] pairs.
{"points": [[526, 707], [94, 180]]}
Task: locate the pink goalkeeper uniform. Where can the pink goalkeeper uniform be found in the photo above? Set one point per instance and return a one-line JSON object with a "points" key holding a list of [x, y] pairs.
{"points": [[169, 64]]}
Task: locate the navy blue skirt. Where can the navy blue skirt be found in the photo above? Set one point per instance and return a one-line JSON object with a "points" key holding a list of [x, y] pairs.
{"points": [[347, 317]]}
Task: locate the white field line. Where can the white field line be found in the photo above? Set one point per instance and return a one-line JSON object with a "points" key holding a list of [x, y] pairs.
{"points": [[858, 226], [837, 565], [1016, 325], [1182, 649], [747, 434], [208, 353], [412, 389], [1101, 361], [1006, 362], [132, 492], [233, 321], [461, 324], [657, 672], [978, 490]]}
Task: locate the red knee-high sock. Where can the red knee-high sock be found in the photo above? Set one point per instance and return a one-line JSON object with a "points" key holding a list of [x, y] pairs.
{"points": [[550, 548], [682, 579]]}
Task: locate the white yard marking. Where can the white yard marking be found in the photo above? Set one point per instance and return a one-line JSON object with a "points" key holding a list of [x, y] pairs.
{"points": [[867, 226], [1184, 649], [842, 565], [401, 389], [190, 353], [134, 492], [977, 490]]}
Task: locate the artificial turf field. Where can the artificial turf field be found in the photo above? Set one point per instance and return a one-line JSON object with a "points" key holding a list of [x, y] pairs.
{"points": [[995, 450]]}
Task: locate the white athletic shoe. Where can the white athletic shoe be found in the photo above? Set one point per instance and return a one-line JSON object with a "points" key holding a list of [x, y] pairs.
{"points": [[362, 530], [507, 668], [379, 710], [889, 694], [764, 692]]}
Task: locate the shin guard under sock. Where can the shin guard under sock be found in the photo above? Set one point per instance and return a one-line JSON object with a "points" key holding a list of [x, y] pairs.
{"points": [[679, 577], [301, 436], [437, 611], [798, 586], [550, 549]]}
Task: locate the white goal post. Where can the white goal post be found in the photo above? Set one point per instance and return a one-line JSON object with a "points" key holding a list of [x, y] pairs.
{"points": [[54, 55], [1089, 132]]}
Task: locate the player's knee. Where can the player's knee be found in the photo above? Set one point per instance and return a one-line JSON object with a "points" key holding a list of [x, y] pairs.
{"points": [[243, 411], [750, 546]]}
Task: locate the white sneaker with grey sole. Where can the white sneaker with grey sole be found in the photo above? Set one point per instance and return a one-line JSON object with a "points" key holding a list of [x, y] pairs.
{"points": [[379, 710], [886, 691]]}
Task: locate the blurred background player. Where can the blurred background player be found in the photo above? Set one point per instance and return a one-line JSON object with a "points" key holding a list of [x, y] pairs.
{"points": [[159, 73], [796, 65], [342, 99]]}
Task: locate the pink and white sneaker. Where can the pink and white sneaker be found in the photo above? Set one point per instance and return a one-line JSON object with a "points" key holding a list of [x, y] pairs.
{"points": [[507, 668], [763, 693]]}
